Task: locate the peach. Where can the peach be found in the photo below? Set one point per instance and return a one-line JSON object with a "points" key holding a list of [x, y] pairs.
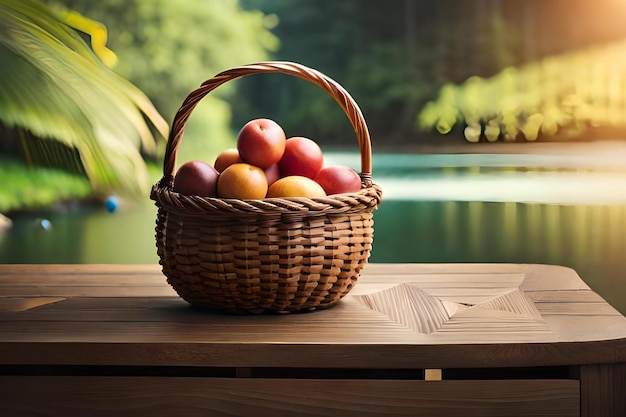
{"points": [[295, 186], [226, 158], [261, 142]]}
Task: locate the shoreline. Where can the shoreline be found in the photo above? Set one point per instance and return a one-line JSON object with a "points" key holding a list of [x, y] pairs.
{"points": [[596, 154], [596, 147]]}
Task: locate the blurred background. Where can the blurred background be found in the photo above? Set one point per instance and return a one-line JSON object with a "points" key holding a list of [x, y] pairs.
{"points": [[498, 126]]}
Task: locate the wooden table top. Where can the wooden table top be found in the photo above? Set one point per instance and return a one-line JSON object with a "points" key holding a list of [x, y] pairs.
{"points": [[397, 316]]}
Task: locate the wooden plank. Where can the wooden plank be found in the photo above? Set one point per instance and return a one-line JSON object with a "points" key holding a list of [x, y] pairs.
{"points": [[565, 296], [536, 276], [446, 268], [52, 290], [23, 304], [603, 390], [173, 396], [97, 350], [83, 269], [443, 280], [577, 309], [83, 280]]}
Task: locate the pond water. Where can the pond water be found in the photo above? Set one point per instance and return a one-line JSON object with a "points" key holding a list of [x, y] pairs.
{"points": [[437, 208]]}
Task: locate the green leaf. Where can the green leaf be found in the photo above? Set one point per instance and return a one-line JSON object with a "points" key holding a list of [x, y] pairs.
{"points": [[55, 87]]}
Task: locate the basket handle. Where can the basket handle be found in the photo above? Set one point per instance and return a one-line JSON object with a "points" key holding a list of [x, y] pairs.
{"points": [[336, 91]]}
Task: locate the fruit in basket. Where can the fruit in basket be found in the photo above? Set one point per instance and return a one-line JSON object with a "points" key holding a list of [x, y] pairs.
{"points": [[295, 186], [302, 156], [196, 178], [272, 173], [226, 158], [243, 181], [337, 179], [261, 142]]}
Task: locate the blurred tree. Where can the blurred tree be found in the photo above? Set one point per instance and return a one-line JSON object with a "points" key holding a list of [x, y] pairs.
{"points": [[62, 104], [570, 95], [391, 56], [395, 56], [319, 34], [559, 75]]}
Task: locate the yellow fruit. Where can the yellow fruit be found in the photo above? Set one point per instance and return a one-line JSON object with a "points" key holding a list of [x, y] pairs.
{"points": [[242, 181], [296, 186]]}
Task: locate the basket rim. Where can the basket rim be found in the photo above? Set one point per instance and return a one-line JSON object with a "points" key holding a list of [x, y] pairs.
{"points": [[366, 199]]}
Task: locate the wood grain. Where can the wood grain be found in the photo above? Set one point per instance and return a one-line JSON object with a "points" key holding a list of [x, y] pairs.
{"points": [[57, 396], [479, 315], [605, 388]]}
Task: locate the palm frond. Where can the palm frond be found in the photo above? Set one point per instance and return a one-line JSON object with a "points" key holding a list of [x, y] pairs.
{"points": [[55, 87]]}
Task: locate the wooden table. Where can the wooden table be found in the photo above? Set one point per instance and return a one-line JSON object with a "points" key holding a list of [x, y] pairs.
{"points": [[410, 339]]}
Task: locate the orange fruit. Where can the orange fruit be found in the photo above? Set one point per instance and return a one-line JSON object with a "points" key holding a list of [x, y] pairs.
{"points": [[226, 158], [243, 181], [296, 186]]}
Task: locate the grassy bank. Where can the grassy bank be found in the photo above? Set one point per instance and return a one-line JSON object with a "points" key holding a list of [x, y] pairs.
{"points": [[23, 188]]}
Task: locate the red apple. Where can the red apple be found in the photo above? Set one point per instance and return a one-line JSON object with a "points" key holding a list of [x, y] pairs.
{"points": [[261, 142], [302, 157], [196, 178], [337, 179]]}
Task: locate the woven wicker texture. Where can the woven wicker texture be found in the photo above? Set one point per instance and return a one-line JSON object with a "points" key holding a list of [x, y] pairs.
{"points": [[269, 255]]}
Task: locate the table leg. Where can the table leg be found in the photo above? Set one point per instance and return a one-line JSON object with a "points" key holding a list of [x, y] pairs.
{"points": [[603, 390]]}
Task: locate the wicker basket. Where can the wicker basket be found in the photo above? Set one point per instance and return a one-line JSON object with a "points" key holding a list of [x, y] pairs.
{"points": [[270, 255]]}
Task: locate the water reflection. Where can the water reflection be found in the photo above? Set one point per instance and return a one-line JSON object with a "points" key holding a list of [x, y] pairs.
{"points": [[588, 238], [82, 235]]}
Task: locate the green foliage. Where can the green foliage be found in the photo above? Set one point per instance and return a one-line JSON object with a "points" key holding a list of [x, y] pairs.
{"points": [[391, 56], [56, 85], [168, 48], [566, 95], [37, 187], [56, 88], [395, 57], [337, 39]]}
